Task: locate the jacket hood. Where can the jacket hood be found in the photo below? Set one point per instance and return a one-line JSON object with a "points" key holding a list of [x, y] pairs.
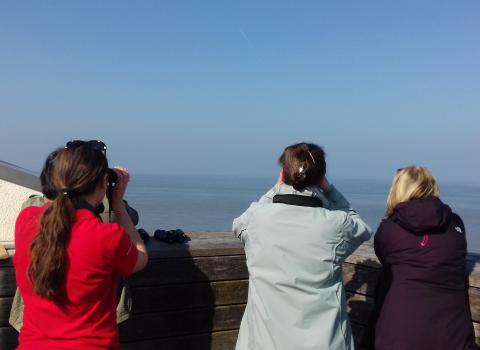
{"points": [[423, 214]]}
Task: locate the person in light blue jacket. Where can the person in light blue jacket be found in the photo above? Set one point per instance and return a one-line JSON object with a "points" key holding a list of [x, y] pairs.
{"points": [[296, 238]]}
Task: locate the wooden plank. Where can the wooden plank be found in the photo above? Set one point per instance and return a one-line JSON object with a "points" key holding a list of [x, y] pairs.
{"points": [[365, 255], [360, 279], [185, 270], [6, 263], [8, 283], [360, 308], [474, 297], [176, 323], [198, 235], [476, 329], [358, 332], [217, 247], [5, 305], [201, 244], [187, 296], [8, 338], [473, 272], [224, 340]]}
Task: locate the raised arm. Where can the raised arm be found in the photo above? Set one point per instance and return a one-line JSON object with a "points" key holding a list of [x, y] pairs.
{"points": [[353, 230], [239, 226], [123, 219]]}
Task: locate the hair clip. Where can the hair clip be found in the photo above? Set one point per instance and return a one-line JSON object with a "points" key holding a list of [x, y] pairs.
{"points": [[313, 159]]}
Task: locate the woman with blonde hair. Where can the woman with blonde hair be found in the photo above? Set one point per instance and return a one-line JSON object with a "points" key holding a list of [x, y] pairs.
{"points": [[422, 247]]}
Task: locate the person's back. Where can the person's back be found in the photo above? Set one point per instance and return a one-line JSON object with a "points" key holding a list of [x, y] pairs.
{"points": [[84, 316], [49, 192], [422, 247], [66, 257], [294, 256]]}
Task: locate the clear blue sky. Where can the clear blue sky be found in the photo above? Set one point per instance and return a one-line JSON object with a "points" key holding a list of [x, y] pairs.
{"points": [[221, 87]]}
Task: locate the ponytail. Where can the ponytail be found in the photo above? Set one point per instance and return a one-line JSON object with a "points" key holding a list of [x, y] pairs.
{"points": [[76, 172], [49, 260]]}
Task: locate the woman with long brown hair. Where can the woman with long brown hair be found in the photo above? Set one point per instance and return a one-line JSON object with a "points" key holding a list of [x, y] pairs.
{"points": [[296, 238], [66, 258]]}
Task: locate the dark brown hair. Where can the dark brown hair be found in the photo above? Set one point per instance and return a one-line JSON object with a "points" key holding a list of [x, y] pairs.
{"points": [[48, 189], [76, 172], [303, 165]]}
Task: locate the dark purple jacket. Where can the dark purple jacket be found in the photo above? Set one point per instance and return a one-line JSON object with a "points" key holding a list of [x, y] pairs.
{"points": [[422, 247]]}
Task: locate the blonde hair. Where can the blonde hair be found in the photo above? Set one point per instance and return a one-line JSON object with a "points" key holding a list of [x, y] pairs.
{"points": [[410, 183]]}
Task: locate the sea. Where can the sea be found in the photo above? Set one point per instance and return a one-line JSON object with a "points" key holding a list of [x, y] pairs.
{"points": [[210, 203]]}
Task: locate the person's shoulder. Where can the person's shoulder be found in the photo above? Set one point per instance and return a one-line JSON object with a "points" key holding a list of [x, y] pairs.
{"points": [[457, 220], [384, 230], [30, 212], [107, 231], [95, 223], [35, 200], [104, 235], [27, 223], [385, 225]]}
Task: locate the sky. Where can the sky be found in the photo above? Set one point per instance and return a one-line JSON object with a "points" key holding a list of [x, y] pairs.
{"points": [[222, 87]]}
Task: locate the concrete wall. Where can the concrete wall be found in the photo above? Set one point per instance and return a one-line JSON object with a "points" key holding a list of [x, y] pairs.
{"points": [[16, 185]]}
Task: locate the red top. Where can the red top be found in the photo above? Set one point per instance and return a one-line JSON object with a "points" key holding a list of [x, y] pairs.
{"points": [[86, 319]]}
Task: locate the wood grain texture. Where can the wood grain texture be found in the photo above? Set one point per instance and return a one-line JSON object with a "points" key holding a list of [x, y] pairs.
{"points": [[197, 269], [8, 338], [192, 296], [476, 328], [358, 332], [8, 283], [223, 340], [201, 244], [474, 296], [5, 305], [360, 279], [181, 322], [360, 308], [188, 296]]}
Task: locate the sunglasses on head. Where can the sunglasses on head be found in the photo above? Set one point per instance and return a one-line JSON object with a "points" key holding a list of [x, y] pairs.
{"points": [[94, 144]]}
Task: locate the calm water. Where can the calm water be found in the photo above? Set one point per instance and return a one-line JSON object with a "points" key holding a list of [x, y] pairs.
{"points": [[211, 203]]}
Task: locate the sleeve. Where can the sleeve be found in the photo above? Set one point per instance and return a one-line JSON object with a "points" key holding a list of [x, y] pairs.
{"points": [[337, 200], [354, 230], [239, 226], [125, 254]]}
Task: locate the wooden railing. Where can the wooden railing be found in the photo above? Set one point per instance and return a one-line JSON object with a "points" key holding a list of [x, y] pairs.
{"points": [[192, 296]]}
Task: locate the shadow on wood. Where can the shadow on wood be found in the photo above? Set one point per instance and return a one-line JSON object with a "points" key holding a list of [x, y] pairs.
{"points": [[173, 306]]}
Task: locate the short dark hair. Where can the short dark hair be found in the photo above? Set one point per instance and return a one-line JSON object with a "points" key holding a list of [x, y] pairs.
{"points": [[303, 165]]}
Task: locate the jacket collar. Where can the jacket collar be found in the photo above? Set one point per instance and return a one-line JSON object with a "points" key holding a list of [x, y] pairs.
{"points": [[82, 204], [308, 191]]}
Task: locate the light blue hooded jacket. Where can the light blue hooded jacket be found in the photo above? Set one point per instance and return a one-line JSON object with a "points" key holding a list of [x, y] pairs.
{"points": [[296, 299]]}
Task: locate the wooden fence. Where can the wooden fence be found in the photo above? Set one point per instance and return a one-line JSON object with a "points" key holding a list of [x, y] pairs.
{"points": [[192, 296]]}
